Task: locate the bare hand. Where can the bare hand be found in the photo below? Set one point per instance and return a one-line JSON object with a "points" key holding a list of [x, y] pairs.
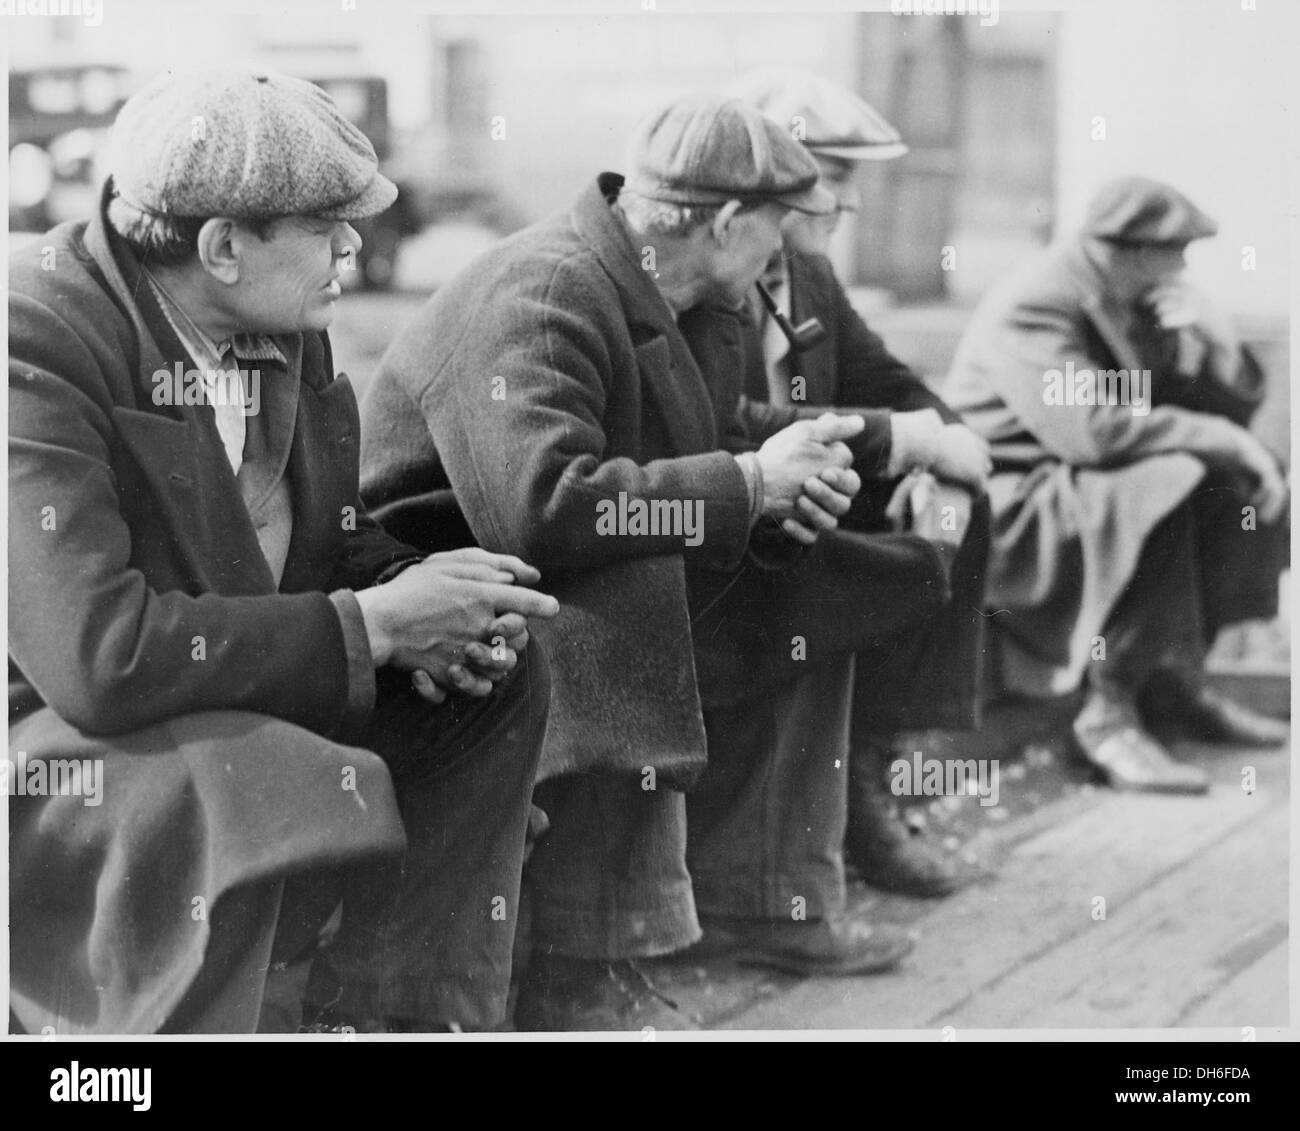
{"points": [[826, 499], [1178, 305], [799, 453], [456, 620], [1270, 498], [962, 456]]}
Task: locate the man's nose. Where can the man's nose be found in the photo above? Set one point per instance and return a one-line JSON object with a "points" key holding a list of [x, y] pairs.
{"points": [[346, 236], [848, 198]]}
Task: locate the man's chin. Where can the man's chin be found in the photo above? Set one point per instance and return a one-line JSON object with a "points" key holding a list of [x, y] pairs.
{"points": [[321, 318]]}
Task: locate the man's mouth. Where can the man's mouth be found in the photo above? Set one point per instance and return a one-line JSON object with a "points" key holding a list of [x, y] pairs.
{"points": [[333, 288]]}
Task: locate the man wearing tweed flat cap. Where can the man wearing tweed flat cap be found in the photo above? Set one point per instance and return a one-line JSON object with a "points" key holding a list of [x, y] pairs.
{"points": [[574, 395], [251, 146], [294, 713], [1134, 512]]}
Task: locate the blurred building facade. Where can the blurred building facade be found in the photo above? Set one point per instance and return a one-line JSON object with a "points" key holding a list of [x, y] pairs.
{"points": [[1011, 126]]}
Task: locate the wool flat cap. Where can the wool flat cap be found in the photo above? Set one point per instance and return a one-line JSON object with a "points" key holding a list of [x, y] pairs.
{"points": [[252, 146], [1137, 210], [708, 150], [828, 118]]}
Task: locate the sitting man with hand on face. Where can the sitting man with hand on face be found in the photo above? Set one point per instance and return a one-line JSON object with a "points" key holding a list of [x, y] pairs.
{"points": [[1134, 513], [574, 394], [287, 706], [928, 676]]}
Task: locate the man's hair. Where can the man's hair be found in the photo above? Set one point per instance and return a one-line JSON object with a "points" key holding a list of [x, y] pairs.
{"points": [[167, 241], [662, 218]]}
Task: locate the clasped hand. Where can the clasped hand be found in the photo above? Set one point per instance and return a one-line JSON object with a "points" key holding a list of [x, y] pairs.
{"points": [[457, 620], [808, 477]]}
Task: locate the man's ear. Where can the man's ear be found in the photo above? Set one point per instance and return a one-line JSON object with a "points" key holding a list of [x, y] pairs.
{"points": [[722, 221], [217, 251]]}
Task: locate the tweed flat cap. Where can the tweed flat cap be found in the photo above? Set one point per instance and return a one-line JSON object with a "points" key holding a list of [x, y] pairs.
{"points": [[252, 146], [828, 118], [708, 150], [1137, 210]]}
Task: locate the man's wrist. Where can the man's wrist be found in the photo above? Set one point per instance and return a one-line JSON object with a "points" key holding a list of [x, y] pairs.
{"points": [[372, 615], [910, 444], [752, 470]]}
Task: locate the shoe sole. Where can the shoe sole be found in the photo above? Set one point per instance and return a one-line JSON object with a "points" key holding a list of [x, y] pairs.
{"points": [[915, 891], [812, 968], [1185, 790]]}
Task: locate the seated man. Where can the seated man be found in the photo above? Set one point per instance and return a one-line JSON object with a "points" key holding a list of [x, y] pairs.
{"points": [[1134, 515], [284, 706], [929, 678], [575, 394]]}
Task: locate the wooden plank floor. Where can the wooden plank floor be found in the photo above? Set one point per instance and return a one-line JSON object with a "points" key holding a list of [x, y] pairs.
{"points": [[1195, 929]]}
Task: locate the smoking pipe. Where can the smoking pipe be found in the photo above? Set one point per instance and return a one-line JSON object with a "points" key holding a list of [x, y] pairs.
{"points": [[810, 332]]}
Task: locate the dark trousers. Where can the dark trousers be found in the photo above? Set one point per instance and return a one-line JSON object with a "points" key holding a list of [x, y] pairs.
{"points": [[767, 819], [609, 879], [426, 937], [931, 677], [1205, 566]]}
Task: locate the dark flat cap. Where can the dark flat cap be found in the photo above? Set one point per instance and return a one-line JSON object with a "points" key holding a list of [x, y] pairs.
{"points": [[828, 118], [707, 150], [1137, 210], [252, 146]]}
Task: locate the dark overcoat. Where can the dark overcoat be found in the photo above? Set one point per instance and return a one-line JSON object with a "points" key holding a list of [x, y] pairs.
{"points": [[550, 377], [146, 630], [1078, 488]]}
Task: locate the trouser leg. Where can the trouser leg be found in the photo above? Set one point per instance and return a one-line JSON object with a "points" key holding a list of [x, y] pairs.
{"points": [[1239, 559], [766, 821], [932, 677], [429, 937], [1157, 621], [226, 996], [608, 879]]}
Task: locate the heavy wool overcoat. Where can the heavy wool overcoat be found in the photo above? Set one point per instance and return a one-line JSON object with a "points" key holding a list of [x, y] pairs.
{"points": [[146, 630], [1077, 488], [550, 377]]}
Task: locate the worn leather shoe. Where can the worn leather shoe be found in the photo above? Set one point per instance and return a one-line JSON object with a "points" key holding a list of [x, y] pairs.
{"points": [[886, 855], [1130, 759], [1184, 705], [826, 947], [582, 995]]}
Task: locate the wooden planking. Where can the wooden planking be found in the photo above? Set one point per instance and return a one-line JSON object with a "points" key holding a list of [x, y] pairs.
{"points": [[1158, 949], [1257, 995], [1040, 900]]}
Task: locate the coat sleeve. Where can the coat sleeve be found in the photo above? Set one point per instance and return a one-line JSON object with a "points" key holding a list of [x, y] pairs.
{"points": [[871, 376], [103, 648], [869, 380], [530, 466], [1034, 337]]}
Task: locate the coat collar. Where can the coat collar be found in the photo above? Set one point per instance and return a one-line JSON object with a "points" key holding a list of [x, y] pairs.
{"points": [[1104, 318], [670, 371], [182, 455]]}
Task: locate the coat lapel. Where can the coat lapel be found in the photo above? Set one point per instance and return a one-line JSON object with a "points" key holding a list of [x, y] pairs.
{"points": [[325, 454], [178, 448], [1123, 350], [670, 376], [817, 365], [190, 480]]}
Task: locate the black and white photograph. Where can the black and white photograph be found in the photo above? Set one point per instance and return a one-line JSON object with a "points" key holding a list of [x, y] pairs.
{"points": [[650, 521]]}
